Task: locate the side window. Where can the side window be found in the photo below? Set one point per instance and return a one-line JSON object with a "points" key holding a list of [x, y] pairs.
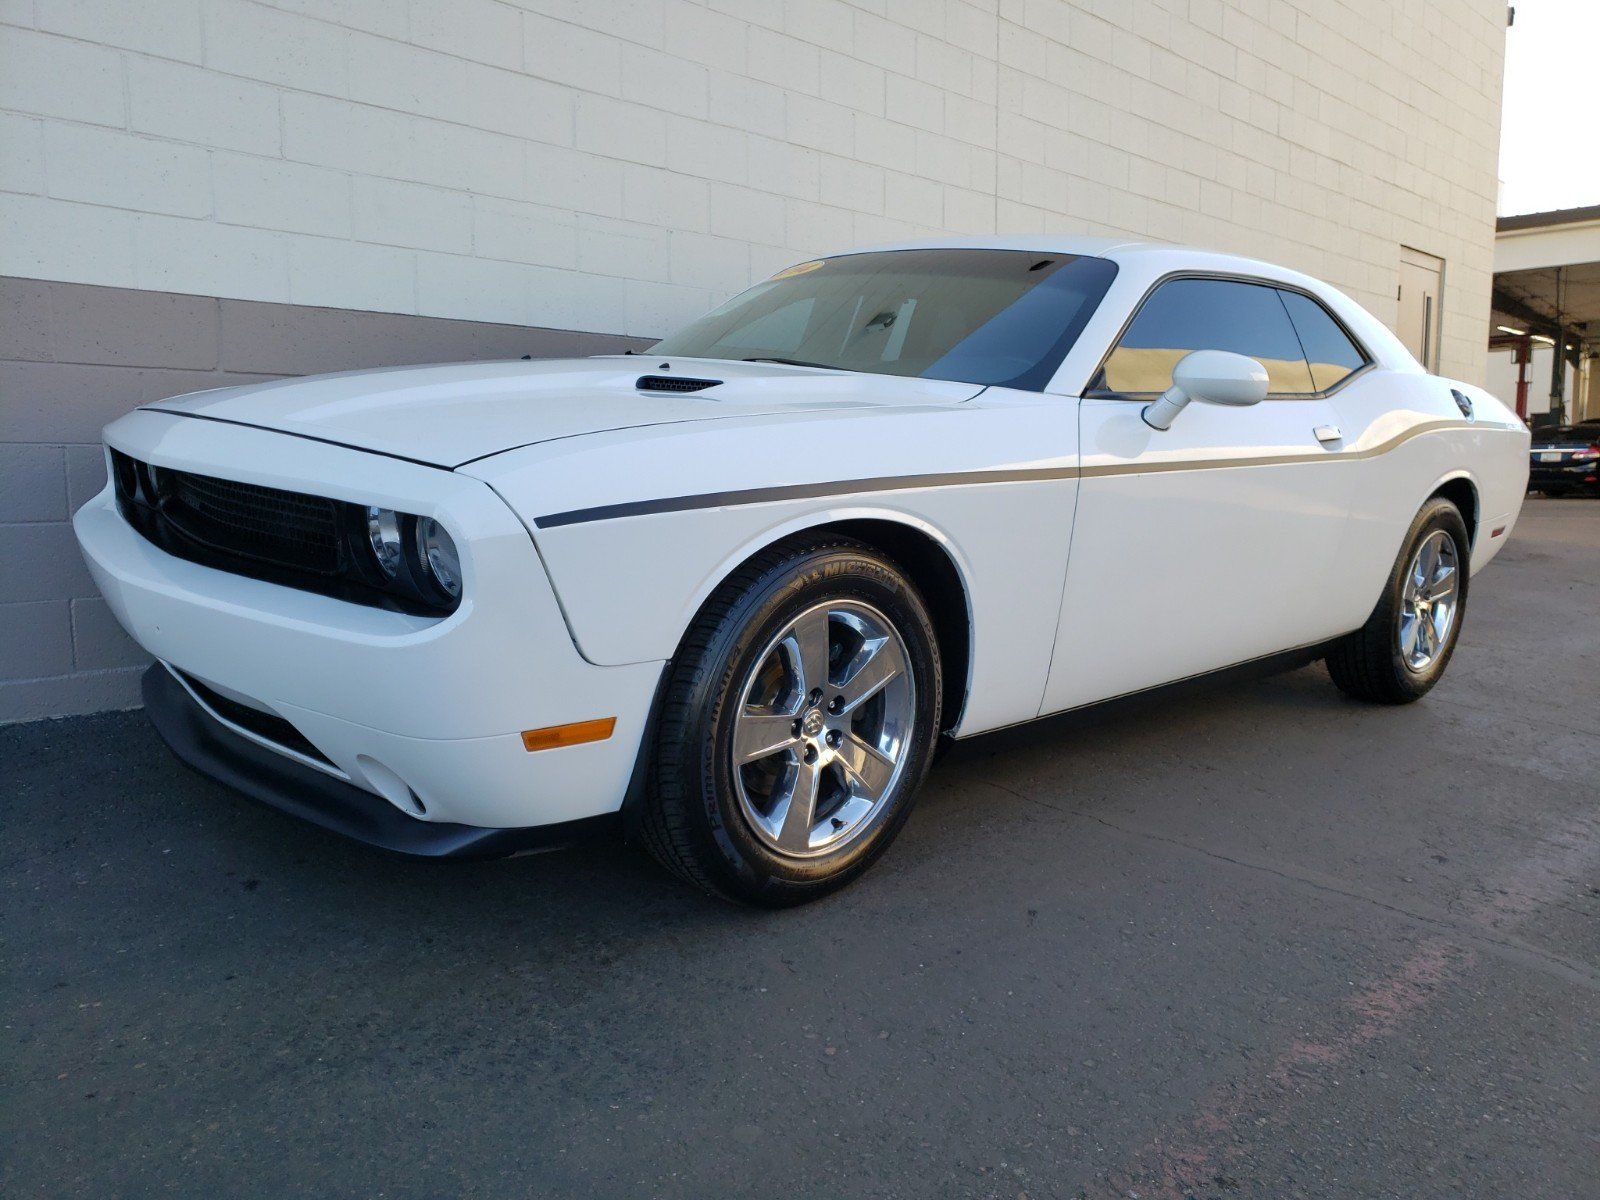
{"points": [[1328, 348], [1208, 314]]}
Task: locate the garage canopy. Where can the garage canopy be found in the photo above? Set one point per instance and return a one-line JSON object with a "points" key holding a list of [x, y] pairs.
{"points": [[1547, 293]]}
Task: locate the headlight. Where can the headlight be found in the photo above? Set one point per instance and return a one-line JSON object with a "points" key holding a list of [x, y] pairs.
{"points": [[437, 553], [383, 536], [411, 560]]}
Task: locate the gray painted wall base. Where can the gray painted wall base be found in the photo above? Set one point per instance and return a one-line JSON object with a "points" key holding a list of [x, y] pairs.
{"points": [[75, 357]]}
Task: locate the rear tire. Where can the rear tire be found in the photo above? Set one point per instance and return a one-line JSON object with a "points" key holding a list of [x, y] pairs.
{"points": [[782, 767], [1407, 642]]}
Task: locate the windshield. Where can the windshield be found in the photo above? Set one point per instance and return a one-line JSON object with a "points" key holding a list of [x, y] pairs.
{"points": [[972, 316]]}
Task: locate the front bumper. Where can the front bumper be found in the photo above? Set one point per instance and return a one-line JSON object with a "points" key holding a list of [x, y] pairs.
{"points": [[424, 713], [208, 745]]}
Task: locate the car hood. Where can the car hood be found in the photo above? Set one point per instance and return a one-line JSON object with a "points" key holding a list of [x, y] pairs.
{"points": [[450, 415]]}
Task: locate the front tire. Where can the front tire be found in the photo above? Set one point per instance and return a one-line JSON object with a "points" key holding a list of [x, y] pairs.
{"points": [[797, 721], [1407, 642]]}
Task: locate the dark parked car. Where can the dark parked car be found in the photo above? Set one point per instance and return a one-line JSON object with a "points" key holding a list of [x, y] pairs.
{"points": [[1565, 459]]}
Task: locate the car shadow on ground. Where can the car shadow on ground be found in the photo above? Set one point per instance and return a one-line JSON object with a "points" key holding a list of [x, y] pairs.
{"points": [[152, 806], [153, 796]]}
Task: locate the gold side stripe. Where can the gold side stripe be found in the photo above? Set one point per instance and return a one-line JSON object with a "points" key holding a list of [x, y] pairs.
{"points": [[1275, 460], [902, 483]]}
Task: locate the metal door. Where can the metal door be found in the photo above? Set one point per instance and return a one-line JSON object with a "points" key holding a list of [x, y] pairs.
{"points": [[1417, 304]]}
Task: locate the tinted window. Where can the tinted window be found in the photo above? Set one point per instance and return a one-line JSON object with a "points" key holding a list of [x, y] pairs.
{"points": [[779, 330], [1208, 314], [1329, 350], [1582, 433], [975, 316]]}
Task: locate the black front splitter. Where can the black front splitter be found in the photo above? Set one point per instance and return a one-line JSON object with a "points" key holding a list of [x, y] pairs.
{"points": [[278, 782]]}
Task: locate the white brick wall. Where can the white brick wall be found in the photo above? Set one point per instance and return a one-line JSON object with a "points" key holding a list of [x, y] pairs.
{"points": [[620, 165]]}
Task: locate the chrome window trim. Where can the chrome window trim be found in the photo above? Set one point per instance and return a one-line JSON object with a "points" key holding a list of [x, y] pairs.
{"points": [[1090, 392]]}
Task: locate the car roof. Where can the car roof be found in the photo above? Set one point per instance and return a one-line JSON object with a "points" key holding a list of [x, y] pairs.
{"points": [[1043, 243], [1116, 249], [1146, 262]]}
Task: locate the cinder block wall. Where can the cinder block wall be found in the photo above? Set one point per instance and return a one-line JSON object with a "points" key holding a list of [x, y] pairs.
{"points": [[617, 166], [75, 356]]}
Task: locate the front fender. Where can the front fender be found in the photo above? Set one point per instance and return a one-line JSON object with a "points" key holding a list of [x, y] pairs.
{"points": [[630, 582], [631, 588], [779, 527]]}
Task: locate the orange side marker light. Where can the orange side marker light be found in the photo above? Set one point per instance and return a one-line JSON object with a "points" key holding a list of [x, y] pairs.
{"points": [[574, 734]]}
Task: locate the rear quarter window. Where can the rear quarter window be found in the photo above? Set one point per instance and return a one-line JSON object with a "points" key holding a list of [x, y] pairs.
{"points": [[1330, 353]]}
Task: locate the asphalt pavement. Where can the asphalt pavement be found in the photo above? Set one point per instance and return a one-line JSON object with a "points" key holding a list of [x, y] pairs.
{"points": [[1254, 940]]}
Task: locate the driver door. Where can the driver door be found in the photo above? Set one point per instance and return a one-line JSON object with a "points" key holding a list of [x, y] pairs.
{"points": [[1213, 542]]}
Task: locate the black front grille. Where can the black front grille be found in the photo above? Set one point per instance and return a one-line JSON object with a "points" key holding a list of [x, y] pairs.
{"points": [[267, 525], [295, 539]]}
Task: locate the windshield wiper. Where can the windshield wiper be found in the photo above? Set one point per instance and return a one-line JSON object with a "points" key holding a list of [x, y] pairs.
{"points": [[794, 362]]}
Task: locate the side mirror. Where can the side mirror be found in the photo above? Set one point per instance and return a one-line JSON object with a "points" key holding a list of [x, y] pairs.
{"points": [[1214, 376]]}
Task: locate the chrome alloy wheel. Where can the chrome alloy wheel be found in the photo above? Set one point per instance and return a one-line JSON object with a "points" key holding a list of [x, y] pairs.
{"points": [[824, 728], [1429, 601]]}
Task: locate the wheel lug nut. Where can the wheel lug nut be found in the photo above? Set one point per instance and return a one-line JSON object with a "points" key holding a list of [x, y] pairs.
{"points": [[834, 737], [836, 705], [811, 754], [795, 728], [815, 698]]}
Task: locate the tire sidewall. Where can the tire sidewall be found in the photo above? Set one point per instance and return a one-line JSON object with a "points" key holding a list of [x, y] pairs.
{"points": [[838, 572], [1437, 515]]}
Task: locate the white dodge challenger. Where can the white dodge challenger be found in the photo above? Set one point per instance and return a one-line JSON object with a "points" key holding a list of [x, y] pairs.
{"points": [[730, 593]]}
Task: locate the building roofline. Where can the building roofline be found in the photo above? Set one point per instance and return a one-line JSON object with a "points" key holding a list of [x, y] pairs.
{"points": [[1538, 220]]}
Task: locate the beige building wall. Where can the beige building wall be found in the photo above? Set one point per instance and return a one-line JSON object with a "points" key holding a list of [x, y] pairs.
{"points": [[617, 166]]}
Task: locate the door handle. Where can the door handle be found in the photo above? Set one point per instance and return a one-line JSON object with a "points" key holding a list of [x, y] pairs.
{"points": [[1328, 433]]}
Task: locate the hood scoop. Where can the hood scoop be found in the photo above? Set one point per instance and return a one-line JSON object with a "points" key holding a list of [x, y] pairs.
{"points": [[674, 383]]}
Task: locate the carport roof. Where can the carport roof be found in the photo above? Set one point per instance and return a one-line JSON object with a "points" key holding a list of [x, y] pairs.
{"points": [[1547, 271], [1523, 295], [1555, 216]]}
